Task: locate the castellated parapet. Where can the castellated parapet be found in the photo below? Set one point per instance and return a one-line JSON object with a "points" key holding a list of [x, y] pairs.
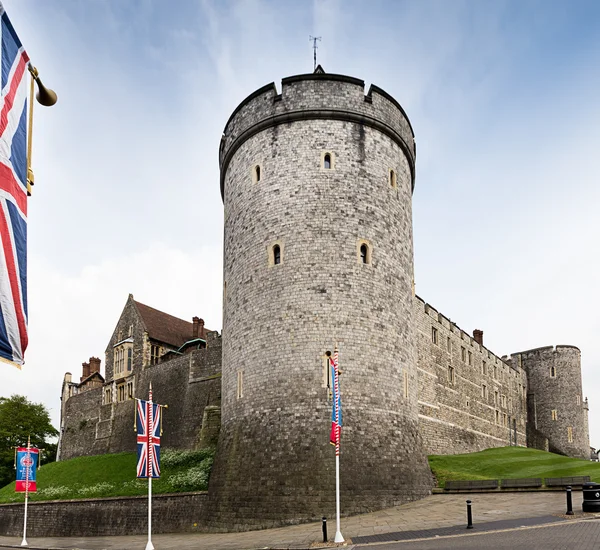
{"points": [[318, 251], [557, 408]]}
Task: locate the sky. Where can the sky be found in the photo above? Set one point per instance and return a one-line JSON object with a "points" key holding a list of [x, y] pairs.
{"points": [[503, 97]]}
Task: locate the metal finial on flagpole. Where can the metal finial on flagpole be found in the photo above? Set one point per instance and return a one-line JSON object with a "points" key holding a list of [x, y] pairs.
{"points": [[46, 97], [314, 39]]}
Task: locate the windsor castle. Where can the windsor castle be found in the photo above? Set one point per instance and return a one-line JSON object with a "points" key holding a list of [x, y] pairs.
{"points": [[317, 182]]}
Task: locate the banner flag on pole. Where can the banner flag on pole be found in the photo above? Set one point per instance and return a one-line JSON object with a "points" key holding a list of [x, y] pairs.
{"points": [[27, 462], [336, 409], [13, 195], [148, 425]]}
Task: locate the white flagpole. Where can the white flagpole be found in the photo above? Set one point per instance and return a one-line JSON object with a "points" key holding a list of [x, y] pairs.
{"points": [[149, 545], [24, 541], [338, 532]]}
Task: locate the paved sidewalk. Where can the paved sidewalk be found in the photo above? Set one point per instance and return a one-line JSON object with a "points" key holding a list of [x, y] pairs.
{"points": [[433, 512]]}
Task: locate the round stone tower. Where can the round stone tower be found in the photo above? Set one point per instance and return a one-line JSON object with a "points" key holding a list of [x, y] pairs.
{"points": [[317, 184], [556, 406]]}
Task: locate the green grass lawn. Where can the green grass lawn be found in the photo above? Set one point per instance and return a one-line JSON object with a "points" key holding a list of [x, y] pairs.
{"points": [[115, 475], [510, 462]]}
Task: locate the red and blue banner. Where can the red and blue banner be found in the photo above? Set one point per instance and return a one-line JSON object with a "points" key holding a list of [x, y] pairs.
{"points": [[148, 425], [27, 462], [13, 194], [336, 409]]}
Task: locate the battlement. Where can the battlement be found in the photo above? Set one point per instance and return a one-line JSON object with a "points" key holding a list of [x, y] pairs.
{"points": [[312, 97], [544, 349], [462, 334]]}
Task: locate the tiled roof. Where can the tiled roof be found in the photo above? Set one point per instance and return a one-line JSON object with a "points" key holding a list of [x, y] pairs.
{"points": [[164, 327], [95, 373]]}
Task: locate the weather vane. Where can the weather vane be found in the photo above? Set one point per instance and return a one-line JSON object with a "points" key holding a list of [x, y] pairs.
{"points": [[314, 39]]}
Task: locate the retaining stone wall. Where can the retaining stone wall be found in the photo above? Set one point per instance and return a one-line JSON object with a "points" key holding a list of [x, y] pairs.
{"points": [[173, 513]]}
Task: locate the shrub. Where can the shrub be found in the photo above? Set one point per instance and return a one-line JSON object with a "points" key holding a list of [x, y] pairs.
{"points": [[172, 458], [194, 479]]}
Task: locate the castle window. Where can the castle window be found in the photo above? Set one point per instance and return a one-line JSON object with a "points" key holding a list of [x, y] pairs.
{"points": [[552, 372], [463, 354], [240, 384], [484, 391], [495, 372], [570, 434], [451, 378], [275, 253], [129, 390], [434, 335], [326, 382], [484, 368], [154, 354], [121, 392], [504, 420], [470, 358], [364, 251], [497, 417], [467, 402], [504, 401], [129, 359], [554, 415], [405, 379], [327, 160], [393, 182], [496, 398], [255, 173], [578, 399], [449, 344], [107, 396]]}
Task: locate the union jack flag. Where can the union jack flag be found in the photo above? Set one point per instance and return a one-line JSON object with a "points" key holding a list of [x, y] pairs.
{"points": [[148, 424], [13, 194], [336, 409]]}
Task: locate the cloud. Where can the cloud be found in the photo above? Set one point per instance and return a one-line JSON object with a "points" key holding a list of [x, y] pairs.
{"points": [[71, 317]]}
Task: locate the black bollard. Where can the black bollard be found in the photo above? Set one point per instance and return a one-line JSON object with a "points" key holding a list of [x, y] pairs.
{"points": [[469, 516], [569, 501], [324, 529]]}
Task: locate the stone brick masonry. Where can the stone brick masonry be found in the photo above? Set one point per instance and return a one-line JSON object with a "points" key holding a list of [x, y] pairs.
{"points": [[413, 382], [182, 512]]}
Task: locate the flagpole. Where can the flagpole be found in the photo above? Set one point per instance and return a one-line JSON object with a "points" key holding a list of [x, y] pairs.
{"points": [[24, 541], [336, 389], [30, 180], [149, 545]]}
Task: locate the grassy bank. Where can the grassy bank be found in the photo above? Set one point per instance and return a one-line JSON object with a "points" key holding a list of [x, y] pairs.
{"points": [[114, 475], [510, 462]]}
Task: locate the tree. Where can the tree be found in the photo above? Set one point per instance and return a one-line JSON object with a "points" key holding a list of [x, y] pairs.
{"points": [[20, 419]]}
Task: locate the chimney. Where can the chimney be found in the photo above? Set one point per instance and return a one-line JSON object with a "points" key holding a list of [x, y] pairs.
{"points": [[198, 330], [94, 365], [478, 336], [85, 372]]}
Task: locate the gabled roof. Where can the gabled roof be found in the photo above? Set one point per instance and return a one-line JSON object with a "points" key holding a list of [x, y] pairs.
{"points": [[164, 327], [94, 374]]}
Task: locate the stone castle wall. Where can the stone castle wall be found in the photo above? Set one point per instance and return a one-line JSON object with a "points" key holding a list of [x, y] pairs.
{"points": [[557, 408], [191, 387], [174, 513], [469, 398], [279, 320]]}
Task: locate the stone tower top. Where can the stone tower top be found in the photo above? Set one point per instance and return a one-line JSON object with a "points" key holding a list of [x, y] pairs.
{"points": [[317, 96]]}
